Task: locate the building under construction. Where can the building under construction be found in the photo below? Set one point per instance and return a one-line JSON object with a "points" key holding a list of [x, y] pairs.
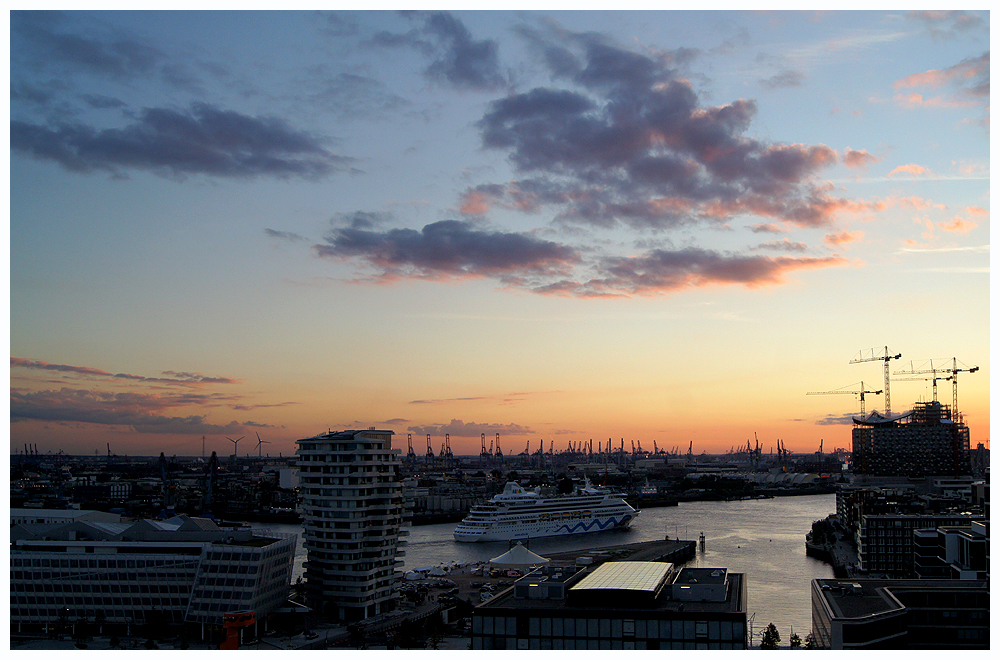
{"points": [[924, 442]]}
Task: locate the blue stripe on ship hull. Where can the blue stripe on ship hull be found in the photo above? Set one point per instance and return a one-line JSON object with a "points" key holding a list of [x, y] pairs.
{"points": [[586, 527]]}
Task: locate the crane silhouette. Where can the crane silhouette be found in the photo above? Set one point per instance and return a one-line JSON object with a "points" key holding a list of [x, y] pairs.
{"points": [[862, 392]]}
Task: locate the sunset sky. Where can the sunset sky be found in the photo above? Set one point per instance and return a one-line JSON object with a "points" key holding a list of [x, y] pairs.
{"points": [[555, 226]]}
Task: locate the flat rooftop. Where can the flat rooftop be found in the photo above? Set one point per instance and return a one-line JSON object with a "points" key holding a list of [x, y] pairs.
{"points": [[639, 576], [643, 598], [861, 597]]}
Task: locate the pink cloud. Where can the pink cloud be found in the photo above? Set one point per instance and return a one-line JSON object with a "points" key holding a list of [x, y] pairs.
{"points": [[976, 210], [911, 169], [854, 158], [475, 203], [843, 237], [958, 225]]}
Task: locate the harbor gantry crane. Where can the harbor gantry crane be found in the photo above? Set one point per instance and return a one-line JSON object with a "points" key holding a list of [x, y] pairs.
{"points": [[862, 392], [449, 457], [483, 456], [411, 456], [499, 453], [430, 450], [870, 356]]}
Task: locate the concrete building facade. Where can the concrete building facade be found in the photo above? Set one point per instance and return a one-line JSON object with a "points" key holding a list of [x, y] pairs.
{"points": [[352, 517], [177, 571]]}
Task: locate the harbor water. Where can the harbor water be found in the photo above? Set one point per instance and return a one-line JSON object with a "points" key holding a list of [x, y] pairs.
{"points": [[764, 539]]}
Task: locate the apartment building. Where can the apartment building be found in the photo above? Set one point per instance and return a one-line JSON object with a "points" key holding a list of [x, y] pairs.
{"points": [[352, 516]]}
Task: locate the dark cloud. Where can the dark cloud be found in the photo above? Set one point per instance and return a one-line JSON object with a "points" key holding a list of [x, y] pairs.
{"points": [[184, 378], [264, 405], [43, 43], [461, 398], [461, 429], [666, 271], [100, 102], [948, 24], [284, 235], [458, 59], [137, 411], [846, 419], [630, 143], [784, 79], [351, 96], [204, 141], [449, 249], [783, 245], [361, 219]]}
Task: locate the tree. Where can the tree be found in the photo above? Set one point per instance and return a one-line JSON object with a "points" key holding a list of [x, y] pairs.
{"points": [[794, 640], [811, 641], [770, 638]]}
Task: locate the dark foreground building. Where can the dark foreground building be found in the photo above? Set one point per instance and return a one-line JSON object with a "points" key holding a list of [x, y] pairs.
{"points": [[618, 605], [901, 614]]}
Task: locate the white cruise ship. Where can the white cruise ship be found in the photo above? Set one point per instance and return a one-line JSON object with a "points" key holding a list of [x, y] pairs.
{"points": [[517, 513]]}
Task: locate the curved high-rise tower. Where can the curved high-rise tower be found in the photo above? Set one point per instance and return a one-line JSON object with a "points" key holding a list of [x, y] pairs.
{"points": [[352, 516]]}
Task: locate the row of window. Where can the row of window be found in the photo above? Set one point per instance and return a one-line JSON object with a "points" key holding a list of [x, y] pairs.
{"points": [[607, 628], [42, 562], [544, 644], [105, 577]]}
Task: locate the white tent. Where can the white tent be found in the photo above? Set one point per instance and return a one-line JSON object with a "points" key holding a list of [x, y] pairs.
{"points": [[518, 556]]}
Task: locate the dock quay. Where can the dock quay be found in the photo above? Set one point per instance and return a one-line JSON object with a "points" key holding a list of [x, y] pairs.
{"points": [[670, 550]]}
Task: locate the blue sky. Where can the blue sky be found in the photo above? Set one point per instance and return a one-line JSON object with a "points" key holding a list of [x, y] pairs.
{"points": [[550, 225]]}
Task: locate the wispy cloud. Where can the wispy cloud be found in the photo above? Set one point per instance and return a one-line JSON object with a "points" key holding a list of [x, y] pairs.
{"points": [[183, 378], [205, 140], [461, 429], [141, 412], [457, 58]]}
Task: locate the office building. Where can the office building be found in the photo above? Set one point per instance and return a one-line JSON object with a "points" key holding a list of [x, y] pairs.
{"points": [[951, 552], [617, 605], [177, 571], [352, 515], [885, 542], [900, 614]]}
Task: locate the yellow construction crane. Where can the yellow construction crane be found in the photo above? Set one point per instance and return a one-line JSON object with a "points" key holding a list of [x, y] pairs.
{"points": [[862, 392]]}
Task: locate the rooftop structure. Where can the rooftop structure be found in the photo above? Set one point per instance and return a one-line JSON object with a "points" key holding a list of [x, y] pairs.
{"points": [[29, 516], [900, 614], [616, 605]]}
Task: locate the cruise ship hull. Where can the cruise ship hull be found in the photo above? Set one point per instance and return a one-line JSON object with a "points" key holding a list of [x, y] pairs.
{"points": [[541, 531], [520, 514]]}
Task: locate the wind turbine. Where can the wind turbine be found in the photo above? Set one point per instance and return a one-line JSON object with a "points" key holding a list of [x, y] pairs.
{"points": [[236, 442], [259, 443]]}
